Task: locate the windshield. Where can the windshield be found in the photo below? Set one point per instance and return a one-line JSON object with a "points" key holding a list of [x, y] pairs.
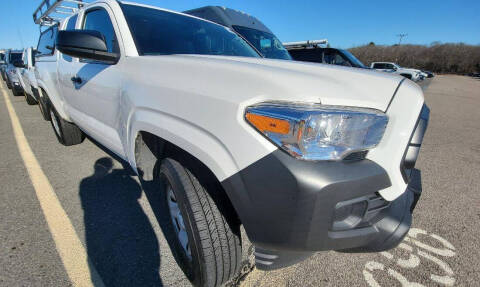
{"points": [[265, 42], [356, 62], [15, 56], [158, 32]]}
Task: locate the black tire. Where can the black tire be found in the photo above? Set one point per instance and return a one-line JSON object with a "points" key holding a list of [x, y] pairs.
{"points": [[30, 100], [67, 133], [215, 245], [9, 84]]}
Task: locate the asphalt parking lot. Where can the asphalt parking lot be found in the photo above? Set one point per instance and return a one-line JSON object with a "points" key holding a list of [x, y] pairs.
{"points": [[122, 229]]}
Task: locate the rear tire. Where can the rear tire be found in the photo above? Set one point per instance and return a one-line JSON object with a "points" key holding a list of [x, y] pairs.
{"points": [[213, 252], [30, 100], [67, 133]]}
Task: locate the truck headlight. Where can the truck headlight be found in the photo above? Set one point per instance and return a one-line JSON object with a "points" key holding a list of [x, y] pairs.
{"points": [[318, 132]]}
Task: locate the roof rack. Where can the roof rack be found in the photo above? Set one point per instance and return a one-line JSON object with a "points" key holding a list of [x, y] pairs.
{"points": [[51, 12], [305, 44]]}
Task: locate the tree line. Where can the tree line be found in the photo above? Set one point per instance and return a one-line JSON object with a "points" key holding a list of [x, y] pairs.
{"points": [[439, 58]]}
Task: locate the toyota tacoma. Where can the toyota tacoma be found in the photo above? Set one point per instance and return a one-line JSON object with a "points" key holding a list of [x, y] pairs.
{"points": [[307, 157]]}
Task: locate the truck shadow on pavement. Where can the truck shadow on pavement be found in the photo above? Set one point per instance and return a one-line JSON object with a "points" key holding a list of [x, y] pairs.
{"points": [[121, 242]]}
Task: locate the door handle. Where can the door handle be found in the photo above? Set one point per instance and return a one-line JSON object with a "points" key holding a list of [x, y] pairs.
{"points": [[76, 80]]}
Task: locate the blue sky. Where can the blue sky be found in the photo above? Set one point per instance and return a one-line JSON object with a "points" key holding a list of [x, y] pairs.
{"points": [[345, 23]]}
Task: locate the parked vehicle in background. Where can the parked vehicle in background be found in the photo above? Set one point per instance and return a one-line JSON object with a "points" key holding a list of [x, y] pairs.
{"points": [[311, 51], [249, 27], [26, 75], [412, 74], [304, 163], [4, 64], [13, 81], [428, 74]]}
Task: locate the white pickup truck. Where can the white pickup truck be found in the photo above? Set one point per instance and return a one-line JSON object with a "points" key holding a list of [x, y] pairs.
{"points": [[26, 75], [412, 74], [306, 157]]}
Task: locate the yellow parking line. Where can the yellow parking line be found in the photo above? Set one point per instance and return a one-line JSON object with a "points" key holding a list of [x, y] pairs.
{"points": [[74, 257]]}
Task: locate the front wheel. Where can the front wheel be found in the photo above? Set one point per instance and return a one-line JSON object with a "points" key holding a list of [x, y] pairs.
{"points": [[208, 248]]}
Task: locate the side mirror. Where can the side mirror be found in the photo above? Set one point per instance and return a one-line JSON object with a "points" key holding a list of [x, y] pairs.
{"points": [[18, 64], [85, 44]]}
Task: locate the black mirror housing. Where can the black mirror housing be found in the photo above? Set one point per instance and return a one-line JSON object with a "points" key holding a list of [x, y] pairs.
{"points": [[85, 44]]}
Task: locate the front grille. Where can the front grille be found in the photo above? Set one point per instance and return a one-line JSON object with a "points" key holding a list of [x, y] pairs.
{"points": [[359, 155]]}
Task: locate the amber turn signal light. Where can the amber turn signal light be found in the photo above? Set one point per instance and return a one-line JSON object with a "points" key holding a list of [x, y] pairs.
{"points": [[268, 124]]}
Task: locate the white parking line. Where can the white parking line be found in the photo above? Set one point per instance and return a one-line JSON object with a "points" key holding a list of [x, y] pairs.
{"points": [[74, 257]]}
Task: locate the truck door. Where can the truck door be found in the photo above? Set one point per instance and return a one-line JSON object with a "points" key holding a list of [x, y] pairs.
{"points": [[93, 88]]}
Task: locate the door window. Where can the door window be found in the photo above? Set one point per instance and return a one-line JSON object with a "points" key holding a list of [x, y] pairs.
{"points": [[46, 43], [99, 20], [388, 66]]}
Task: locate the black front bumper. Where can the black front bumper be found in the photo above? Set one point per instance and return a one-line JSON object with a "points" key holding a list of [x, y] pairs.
{"points": [[292, 208], [16, 87]]}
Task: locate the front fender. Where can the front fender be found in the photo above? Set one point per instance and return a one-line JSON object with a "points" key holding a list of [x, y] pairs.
{"points": [[193, 139], [53, 98]]}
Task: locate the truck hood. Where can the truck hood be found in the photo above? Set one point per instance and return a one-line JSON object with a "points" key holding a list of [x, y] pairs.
{"points": [[249, 80]]}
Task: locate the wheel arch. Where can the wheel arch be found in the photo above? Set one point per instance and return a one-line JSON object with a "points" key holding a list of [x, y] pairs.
{"points": [[151, 149], [52, 99], [187, 136]]}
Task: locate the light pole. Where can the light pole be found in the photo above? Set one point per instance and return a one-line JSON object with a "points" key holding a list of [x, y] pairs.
{"points": [[401, 36]]}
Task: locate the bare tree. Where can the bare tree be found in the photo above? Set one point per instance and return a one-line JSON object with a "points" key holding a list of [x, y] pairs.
{"points": [[456, 58]]}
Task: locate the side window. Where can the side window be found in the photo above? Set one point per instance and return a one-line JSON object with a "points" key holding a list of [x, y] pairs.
{"points": [[46, 43], [71, 23], [99, 20], [306, 55], [339, 60], [70, 26], [388, 66], [379, 66]]}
